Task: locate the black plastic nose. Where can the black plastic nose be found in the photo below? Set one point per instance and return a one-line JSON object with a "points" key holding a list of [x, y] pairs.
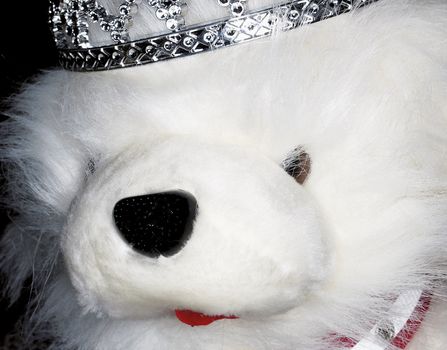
{"points": [[156, 224]]}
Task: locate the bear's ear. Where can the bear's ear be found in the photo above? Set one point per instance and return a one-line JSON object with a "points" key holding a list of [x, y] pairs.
{"points": [[44, 168], [298, 164]]}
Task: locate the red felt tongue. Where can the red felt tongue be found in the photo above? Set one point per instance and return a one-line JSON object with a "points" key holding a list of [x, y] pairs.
{"points": [[198, 319]]}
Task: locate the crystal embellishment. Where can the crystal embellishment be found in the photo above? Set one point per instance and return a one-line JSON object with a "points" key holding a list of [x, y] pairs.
{"points": [[237, 7], [70, 20], [170, 11]]}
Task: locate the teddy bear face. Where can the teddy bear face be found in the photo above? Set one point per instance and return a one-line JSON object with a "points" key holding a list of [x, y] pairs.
{"points": [[257, 243], [295, 261]]}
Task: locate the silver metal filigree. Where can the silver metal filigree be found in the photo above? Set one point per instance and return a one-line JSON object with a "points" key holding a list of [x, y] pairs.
{"points": [[203, 38]]}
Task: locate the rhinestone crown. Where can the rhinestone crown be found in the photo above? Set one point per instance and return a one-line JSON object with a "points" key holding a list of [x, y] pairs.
{"points": [[70, 21]]}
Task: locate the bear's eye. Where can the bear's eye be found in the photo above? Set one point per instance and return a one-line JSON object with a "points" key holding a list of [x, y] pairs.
{"points": [[91, 166], [298, 164]]}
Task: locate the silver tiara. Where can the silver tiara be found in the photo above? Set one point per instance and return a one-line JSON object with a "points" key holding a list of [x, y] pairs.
{"points": [[70, 21]]}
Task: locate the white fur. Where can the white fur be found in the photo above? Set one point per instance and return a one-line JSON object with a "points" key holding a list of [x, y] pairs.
{"points": [[239, 230], [364, 94]]}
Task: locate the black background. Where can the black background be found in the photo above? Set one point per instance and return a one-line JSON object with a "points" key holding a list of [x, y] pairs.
{"points": [[26, 47]]}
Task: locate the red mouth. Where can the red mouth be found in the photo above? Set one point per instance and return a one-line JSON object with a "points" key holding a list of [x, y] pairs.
{"points": [[193, 319]]}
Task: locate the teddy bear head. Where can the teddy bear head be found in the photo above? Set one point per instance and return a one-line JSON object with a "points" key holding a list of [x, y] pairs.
{"points": [[281, 194]]}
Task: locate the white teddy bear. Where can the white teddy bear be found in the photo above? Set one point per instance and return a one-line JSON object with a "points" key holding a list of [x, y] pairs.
{"points": [[289, 193]]}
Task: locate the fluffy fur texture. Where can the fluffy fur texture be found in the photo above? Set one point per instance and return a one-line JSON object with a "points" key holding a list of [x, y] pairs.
{"points": [[364, 94]]}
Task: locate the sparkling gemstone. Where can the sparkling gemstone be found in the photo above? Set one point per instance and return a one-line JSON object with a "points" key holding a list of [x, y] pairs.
{"points": [[237, 8], [56, 19], [208, 37], [166, 3], [105, 26], [151, 52], [168, 46], [162, 13], [175, 10], [229, 33], [116, 36], [188, 41], [223, 2], [293, 15], [173, 24], [132, 53], [124, 9], [313, 9], [118, 23], [94, 17], [102, 58], [83, 40], [117, 55], [124, 37]]}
